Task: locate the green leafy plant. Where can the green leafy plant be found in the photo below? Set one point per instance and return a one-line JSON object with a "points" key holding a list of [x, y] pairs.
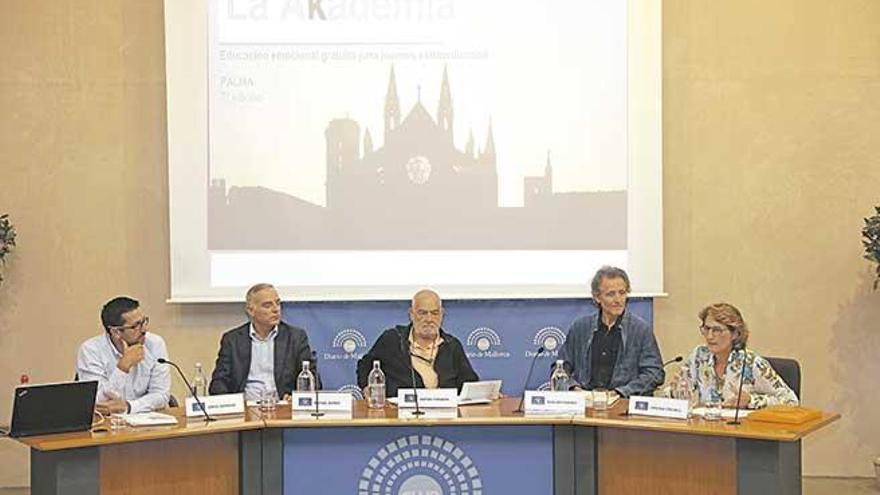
{"points": [[871, 240], [7, 239]]}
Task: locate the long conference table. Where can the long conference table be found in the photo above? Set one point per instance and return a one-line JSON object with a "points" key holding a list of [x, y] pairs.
{"points": [[483, 450]]}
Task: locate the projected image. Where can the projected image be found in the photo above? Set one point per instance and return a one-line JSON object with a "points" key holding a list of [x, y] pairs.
{"points": [[420, 133]]}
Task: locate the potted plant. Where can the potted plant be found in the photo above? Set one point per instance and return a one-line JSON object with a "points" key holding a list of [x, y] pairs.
{"points": [[871, 240], [7, 239]]}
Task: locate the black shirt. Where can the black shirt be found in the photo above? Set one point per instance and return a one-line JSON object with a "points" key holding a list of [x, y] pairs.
{"points": [[392, 350], [605, 347]]}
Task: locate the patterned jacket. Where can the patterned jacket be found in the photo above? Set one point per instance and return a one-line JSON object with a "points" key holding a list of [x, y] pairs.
{"points": [[696, 380]]}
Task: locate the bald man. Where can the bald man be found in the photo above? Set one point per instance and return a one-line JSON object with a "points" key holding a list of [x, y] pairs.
{"points": [[437, 357]]}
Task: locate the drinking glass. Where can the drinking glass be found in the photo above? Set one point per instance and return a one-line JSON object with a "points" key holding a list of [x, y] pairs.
{"points": [[600, 399]]}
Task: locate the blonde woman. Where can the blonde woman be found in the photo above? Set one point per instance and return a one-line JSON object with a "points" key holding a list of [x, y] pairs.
{"points": [[711, 373]]}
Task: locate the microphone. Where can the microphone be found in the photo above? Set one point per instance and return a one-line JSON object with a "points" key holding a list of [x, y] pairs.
{"points": [[407, 351], [189, 387], [317, 412], [742, 375], [676, 359], [529, 377]]}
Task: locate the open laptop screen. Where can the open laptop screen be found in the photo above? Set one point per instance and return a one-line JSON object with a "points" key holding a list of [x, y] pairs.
{"points": [[52, 408]]}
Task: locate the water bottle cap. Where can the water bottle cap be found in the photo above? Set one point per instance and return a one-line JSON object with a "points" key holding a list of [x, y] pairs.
{"points": [[376, 363], [559, 361], [306, 364], [198, 365]]}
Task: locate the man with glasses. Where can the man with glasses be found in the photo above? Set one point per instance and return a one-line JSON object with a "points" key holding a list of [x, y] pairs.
{"points": [[124, 361], [263, 355], [612, 349], [438, 358]]}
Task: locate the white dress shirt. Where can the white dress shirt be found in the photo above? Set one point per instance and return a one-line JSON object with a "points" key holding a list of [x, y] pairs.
{"points": [[261, 375], [147, 385]]}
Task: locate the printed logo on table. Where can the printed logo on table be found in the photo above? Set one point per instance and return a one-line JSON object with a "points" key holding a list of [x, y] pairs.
{"points": [[483, 342], [348, 343], [420, 465], [641, 405], [353, 389], [550, 338], [304, 402], [538, 401]]}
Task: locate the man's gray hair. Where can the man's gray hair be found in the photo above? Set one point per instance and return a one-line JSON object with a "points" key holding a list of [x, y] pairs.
{"points": [[608, 272], [256, 288]]}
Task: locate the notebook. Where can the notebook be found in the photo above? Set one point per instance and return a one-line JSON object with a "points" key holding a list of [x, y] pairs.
{"points": [[52, 408], [479, 392]]}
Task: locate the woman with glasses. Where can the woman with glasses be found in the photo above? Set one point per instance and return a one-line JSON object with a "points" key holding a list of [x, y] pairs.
{"points": [[711, 373]]}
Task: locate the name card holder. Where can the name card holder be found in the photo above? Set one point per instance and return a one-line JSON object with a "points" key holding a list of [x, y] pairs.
{"points": [[327, 401], [661, 407], [215, 405], [548, 402], [429, 398]]}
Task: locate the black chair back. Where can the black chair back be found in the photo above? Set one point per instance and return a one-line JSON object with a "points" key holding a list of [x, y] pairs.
{"points": [[789, 370]]}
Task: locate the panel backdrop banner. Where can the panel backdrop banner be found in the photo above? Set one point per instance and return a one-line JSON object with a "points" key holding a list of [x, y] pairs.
{"points": [[467, 460], [500, 337]]}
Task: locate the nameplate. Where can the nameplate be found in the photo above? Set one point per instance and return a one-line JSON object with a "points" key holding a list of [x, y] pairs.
{"points": [[216, 404], [446, 398], [547, 402], [327, 401], [658, 406]]}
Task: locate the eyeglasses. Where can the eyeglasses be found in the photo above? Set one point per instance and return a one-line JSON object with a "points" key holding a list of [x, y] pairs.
{"points": [[715, 330], [138, 325]]}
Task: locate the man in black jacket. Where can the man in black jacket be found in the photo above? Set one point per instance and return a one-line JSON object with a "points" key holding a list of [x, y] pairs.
{"points": [[437, 357], [265, 353]]}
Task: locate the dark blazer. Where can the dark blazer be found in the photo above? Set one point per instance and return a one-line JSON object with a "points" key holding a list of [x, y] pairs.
{"points": [[392, 351], [234, 360]]}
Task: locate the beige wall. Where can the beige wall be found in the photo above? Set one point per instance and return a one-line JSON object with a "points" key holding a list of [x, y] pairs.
{"points": [[772, 157]]}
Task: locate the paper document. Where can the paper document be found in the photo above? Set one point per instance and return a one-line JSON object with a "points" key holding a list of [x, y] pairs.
{"points": [[149, 419]]}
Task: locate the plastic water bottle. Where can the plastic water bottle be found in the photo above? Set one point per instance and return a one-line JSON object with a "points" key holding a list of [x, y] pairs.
{"points": [[376, 387], [305, 381], [559, 379], [199, 381]]}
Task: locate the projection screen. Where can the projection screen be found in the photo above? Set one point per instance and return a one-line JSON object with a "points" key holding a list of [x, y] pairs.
{"points": [[362, 149]]}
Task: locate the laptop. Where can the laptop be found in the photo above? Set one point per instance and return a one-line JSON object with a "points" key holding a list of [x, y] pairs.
{"points": [[479, 392], [52, 408]]}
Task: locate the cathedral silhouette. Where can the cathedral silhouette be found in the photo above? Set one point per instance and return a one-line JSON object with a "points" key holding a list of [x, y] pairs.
{"points": [[418, 163], [415, 191]]}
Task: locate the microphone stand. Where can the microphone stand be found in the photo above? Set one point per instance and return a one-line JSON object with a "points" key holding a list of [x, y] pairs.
{"points": [[742, 375], [412, 373], [208, 418], [528, 377], [317, 412]]}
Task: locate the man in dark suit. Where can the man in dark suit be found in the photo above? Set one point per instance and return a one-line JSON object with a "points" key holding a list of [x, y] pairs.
{"points": [[264, 354]]}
